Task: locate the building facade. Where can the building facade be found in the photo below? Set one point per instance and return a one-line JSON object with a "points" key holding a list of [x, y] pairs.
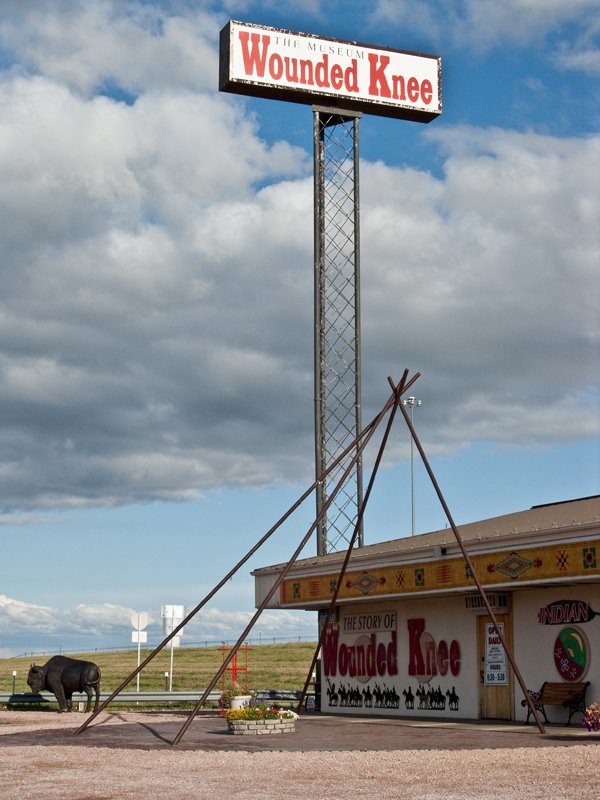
{"points": [[410, 635]]}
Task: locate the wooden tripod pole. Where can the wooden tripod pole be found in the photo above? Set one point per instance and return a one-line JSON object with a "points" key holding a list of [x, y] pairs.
{"points": [[398, 392], [472, 572], [367, 432]]}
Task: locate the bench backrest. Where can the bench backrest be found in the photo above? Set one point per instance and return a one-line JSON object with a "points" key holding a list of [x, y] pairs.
{"points": [[560, 692]]}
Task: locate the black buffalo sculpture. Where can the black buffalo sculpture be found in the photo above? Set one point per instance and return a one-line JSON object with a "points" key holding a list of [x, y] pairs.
{"points": [[62, 676]]}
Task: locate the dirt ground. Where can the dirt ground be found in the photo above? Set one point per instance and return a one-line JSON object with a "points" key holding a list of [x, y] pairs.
{"points": [[129, 755]]}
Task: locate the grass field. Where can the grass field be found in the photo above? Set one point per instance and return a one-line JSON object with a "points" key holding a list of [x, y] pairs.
{"points": [[276, 666]]}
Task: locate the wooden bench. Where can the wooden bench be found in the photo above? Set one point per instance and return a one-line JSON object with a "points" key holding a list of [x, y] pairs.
{"points": [[567, 695]]}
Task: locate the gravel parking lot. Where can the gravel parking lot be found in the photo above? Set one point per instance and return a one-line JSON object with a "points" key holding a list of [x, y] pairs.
{"points": [[129, 755]]}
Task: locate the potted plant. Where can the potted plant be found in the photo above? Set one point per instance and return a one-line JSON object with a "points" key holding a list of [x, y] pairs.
{"points": [[260, 719], [591, 718], [235, 697]]}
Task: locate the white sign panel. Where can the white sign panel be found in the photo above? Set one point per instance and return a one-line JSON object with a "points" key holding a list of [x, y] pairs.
{"points": [[172, 617], [139, 620], [301, 68], [496, 673], [369, 622], [139, 637]]}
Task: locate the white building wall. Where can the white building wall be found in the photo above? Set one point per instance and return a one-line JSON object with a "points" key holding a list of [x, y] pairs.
{"points": [[536, 643], [440, 626], [433, 625]]}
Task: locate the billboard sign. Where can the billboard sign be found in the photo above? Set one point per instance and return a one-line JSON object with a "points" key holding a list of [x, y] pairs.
{"points": [[301, 68]]}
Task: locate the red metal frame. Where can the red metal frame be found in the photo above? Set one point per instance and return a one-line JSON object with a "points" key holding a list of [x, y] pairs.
{"points": [[233, 665]]}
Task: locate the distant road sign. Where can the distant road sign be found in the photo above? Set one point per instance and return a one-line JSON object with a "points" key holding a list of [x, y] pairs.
{"points": [[139, 621]]}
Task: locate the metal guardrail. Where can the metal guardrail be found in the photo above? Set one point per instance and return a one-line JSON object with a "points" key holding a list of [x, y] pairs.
{"points": [[123, 697], [261, 696]]}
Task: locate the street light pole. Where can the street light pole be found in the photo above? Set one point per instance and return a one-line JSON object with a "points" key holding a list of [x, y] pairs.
{"points": [[411, 402]]}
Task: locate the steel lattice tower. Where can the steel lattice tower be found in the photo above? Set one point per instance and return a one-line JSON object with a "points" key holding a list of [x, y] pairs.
{"points": [[337, 319]]}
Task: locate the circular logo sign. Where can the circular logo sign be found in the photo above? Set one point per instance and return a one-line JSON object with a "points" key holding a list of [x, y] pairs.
{"points": [[571, 654]]}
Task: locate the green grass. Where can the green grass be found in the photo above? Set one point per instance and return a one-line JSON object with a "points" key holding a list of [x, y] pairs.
{"points": [[276, 666]]}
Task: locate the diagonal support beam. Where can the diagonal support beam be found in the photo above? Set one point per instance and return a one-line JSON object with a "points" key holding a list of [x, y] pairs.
{"points": [[367, 432], [471, 567], [398, 392], [391, 403]]}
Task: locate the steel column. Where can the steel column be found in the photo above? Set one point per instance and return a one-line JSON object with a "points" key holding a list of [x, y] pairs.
{"points": [[337, 318]]}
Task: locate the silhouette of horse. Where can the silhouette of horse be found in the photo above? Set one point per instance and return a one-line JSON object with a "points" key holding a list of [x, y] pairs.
{"points": [[452, 700], [409, 698]]}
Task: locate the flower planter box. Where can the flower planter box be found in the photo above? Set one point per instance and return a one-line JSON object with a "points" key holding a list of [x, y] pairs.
{"points": [[241, 701], [260, 727]]}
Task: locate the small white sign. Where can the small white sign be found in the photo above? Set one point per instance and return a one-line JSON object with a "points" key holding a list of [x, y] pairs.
{"points": [[139, 620], [139, 637], [496, 673]]}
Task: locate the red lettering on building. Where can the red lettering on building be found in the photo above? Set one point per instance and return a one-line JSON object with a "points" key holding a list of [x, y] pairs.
{"points": [[416, 665], [442, 658], [454, 657], [330, 649], [358, 660], [425, 658]]}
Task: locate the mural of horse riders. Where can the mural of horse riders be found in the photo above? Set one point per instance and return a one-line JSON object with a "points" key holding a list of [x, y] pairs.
{"points": [[386, 697], [383, 696], [344, 696], [435, 700]]}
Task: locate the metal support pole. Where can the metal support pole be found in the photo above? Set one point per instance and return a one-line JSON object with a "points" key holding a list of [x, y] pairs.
{"points": [[398, 391], [471, 568], [364, 440], [337, 315], [411, 402], [352, 447]]}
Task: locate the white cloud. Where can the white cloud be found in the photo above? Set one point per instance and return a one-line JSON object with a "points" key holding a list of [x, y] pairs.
{"points": [[490, 275], [156, 323], [31, 628], [582, 60], [156, 313], [136, 48], [583, 54], [83, 618], [487, 23], [305, 7]]}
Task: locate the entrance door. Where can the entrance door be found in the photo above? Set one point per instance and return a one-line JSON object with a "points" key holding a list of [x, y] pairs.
{"points": [[496, 680]]}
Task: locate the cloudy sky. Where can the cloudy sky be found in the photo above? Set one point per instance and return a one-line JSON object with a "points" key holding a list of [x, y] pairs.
{"points": [[156, 314]]}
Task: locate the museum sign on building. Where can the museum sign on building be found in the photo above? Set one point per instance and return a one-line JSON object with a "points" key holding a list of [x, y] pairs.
{"points": [[412, 637]]}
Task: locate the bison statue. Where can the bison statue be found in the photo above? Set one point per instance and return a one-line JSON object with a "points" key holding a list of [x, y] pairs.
{"points": [[62, 676]]}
